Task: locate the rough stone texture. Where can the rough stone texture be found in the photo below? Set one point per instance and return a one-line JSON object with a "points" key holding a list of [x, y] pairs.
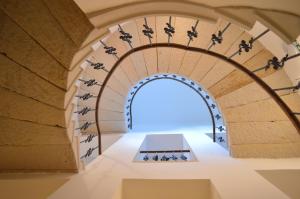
{"points": [[245, 133], [38, 40], [281, 150], [253, 106], [20, 80], [257, 127], [253, 92], [237, 79], [72, 19], [13, 105], [292, 100], [37, 20], [265, 110], [29, 133], [189, 63], [247, 94], [204, 65], [93, 36], [207, 62], [284, 25], [79, 57], [222, 69], [32, 157], [278, 79], [218, 72], [19, 46]]}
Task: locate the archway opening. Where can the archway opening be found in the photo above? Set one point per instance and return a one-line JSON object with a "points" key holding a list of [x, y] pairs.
{"points": [[168, 102]]}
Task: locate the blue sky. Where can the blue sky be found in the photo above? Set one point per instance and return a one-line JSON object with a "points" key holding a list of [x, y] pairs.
{"points": [[167, 104]]}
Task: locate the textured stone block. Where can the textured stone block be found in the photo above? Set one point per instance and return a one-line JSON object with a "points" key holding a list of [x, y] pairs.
{"points": [[217, 73], [286, 150], [20, 47], [279, 79], [16, 106], [262, 133], [203, 66], [23, 133], [293, 101], [71, 18], [36, 19], [237, 79], [242, 96], [38, 157], [22, 81], [189, 63], [253, 92], [265, 110]]}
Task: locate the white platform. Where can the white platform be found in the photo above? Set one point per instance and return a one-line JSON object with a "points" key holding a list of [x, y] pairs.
{"points": [[233, 178]]}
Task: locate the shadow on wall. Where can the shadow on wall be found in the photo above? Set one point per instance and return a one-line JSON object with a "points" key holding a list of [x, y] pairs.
{"points": [[168, 105]]}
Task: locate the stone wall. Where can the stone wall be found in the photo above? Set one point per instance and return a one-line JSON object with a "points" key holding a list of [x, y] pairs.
{"points": [[37, 43]]}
